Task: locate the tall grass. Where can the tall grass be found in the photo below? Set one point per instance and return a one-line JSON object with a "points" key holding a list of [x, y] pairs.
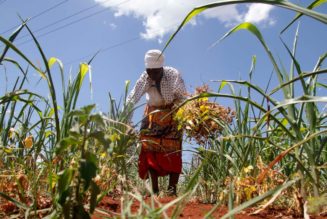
{"points": [[51, 148], [66, 155], [289, 135]]}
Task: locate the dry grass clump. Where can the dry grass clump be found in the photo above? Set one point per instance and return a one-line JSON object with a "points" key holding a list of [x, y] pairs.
{"points": [[17, 186], [201, 118], [246, 185]]}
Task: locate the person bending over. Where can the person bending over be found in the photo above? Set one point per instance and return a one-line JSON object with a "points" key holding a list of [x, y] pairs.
{"points": [[161, 153]]}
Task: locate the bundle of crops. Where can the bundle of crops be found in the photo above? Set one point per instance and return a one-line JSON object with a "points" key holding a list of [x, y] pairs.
{"points": [[201, 119]]}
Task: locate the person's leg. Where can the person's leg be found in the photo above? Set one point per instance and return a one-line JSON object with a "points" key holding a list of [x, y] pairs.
{"points": [[173, 180], [154, 181]]}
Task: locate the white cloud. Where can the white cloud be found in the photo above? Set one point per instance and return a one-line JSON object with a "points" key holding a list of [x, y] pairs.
{"points": [[228, 14], [258, 13], [113, 26], [161, 17]]}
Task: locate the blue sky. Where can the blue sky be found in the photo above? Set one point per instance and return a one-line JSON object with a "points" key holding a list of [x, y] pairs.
{"points": [[74, 30]]}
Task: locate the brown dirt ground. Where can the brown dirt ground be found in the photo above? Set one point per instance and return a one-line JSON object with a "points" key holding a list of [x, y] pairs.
{"points": [[195, 209]]}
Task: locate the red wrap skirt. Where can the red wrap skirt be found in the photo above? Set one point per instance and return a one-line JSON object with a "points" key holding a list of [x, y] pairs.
{"points": [[161, 143]]}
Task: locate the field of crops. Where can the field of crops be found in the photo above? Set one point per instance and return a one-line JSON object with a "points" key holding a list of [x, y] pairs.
{"points": [[263, 152]]}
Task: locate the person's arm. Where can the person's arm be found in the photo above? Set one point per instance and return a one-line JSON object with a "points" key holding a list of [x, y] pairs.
{"points": [[137, 92]]}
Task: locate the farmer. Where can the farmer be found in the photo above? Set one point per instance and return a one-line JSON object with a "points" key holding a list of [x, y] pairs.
{"points": [[161, 141]]}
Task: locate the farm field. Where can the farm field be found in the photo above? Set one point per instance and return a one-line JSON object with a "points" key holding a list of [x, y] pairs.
{"points": [[197, 209], [263, 156]]}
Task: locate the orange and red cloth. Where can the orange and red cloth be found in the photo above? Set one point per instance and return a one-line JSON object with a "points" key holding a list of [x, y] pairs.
{"points": [[161, 142]]}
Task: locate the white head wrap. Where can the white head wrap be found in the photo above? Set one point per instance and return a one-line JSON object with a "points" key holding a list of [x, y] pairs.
{"points": [[153, 59]]}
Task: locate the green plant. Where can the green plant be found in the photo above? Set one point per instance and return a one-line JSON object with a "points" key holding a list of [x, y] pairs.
{"points": [[76, 183], [31, 127], [122, 135], [289, 134]]}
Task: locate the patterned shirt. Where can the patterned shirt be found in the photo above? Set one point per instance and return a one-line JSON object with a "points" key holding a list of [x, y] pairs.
{"points": [[172, 88]]}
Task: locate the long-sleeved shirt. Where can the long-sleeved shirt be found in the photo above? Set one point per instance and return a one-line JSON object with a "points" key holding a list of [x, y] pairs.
{"points": [[172, 88]]}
